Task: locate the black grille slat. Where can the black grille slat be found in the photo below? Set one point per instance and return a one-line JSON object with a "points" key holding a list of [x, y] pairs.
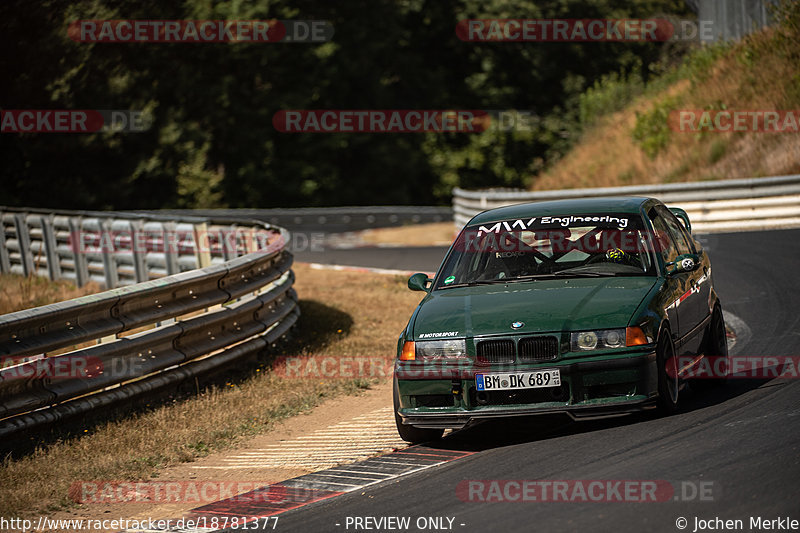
{"points": [[434, 400], [533, 349], [496, 351], [521, 397]]}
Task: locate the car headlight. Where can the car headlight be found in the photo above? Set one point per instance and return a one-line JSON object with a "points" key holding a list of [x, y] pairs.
{"points": [[582, 341], [441, 350]]}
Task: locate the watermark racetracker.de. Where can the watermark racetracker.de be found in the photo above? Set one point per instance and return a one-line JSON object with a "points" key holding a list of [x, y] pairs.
{"points": [[405, 120], [735, 367], [74, 120], [200, 31], [194, 492], [583, 30], [735, 121], [180, 242], [333, 367], [585, 490]]}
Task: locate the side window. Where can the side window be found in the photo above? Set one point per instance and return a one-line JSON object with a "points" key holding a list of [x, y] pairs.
{"points": [[676, 229], [665, 242], [692, 244]]}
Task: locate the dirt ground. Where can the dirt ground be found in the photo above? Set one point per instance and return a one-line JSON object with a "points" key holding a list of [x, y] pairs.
{"points": [[434, 234], [332, 412]]}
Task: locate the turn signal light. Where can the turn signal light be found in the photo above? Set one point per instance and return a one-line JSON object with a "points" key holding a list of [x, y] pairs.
{"points": [[409, 351], [634, 336]]}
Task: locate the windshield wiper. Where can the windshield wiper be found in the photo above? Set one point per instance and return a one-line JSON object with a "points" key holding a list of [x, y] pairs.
{"points": [[584, 274], [532, 277], [475, 282], [559, 274]]}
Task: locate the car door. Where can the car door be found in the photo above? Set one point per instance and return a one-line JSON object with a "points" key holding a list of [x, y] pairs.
{"points": [[701, 277], [677, 286], [695, 300], [691, 306]]}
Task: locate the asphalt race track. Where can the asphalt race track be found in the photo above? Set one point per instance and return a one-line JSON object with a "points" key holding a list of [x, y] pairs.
{"points": [[740, 444], [421, 258]]}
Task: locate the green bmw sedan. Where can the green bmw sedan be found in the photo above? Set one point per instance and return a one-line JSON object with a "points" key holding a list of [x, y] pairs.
{"points": [[583, 307]]}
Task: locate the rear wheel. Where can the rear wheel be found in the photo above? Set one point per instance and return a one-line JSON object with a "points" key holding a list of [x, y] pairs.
{"points": [[716, 347], [668, 384], [410, 433]]}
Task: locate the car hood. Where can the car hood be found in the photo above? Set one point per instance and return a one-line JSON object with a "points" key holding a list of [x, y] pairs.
{"points": [[542, 306]]}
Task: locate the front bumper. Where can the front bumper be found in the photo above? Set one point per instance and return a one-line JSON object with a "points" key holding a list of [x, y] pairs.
{"points": [[598, 388]]}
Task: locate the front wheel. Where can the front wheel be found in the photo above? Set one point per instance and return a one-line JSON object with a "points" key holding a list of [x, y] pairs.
{"points": [[408, 433], [668, 384]]}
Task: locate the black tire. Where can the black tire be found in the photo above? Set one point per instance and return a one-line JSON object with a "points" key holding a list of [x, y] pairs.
{"points": [[668, 383], [715, 345], [412, 434]]}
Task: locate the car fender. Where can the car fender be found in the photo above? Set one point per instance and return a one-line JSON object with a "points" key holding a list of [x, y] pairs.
{"points": [[647, 315]]}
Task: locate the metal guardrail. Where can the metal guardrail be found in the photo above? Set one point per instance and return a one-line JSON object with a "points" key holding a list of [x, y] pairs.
{"points": [[71, 357], [329, 219], [713, 206], [732, 19], [116, 248]]}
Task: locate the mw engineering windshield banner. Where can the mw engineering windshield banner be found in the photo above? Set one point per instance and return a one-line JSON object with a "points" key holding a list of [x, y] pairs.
{"points": [[589, 233]]}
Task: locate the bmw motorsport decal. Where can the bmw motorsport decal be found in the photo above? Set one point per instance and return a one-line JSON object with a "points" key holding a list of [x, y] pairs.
{"points": [[438, 334]]}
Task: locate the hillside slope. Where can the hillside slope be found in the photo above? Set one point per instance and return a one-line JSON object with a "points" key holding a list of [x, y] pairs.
{"points": [[637, 145]]}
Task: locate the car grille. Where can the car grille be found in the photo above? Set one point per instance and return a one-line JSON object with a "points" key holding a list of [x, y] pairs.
{"points": [[496, 351], [538, 349], [531, 350]]}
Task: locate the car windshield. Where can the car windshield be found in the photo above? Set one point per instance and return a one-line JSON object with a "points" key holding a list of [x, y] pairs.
{"points": [[549, 247]]}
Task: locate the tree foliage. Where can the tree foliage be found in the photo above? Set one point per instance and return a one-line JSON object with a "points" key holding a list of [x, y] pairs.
{"points": [[212, 142]]}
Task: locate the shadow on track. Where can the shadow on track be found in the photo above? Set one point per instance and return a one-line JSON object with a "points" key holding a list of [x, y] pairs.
{"points": [[493, 434]]}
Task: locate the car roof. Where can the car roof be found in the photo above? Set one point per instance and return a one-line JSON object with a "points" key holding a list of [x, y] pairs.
{"points": [[576, 206]]}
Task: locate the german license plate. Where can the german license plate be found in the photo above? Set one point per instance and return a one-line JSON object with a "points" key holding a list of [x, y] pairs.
{"points": [[518, 380]]}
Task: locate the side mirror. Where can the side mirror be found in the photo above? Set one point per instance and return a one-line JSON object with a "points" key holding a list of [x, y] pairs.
{"points": [[419, 282], [683, 263]]}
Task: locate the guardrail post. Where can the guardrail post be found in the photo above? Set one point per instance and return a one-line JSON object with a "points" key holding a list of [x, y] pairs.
{"points": [[106, 248], [202, 244], [250, 245], [186, 246], [139, 250], [171, 246], [78, 256], [229, 242], [5, 262], [24, 240], [50, 249]]}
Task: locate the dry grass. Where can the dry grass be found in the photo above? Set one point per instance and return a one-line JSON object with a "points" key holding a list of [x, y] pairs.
{"points": [[21, 292], [760, 73], [344, 313], [434, 234], [374, 309]]}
